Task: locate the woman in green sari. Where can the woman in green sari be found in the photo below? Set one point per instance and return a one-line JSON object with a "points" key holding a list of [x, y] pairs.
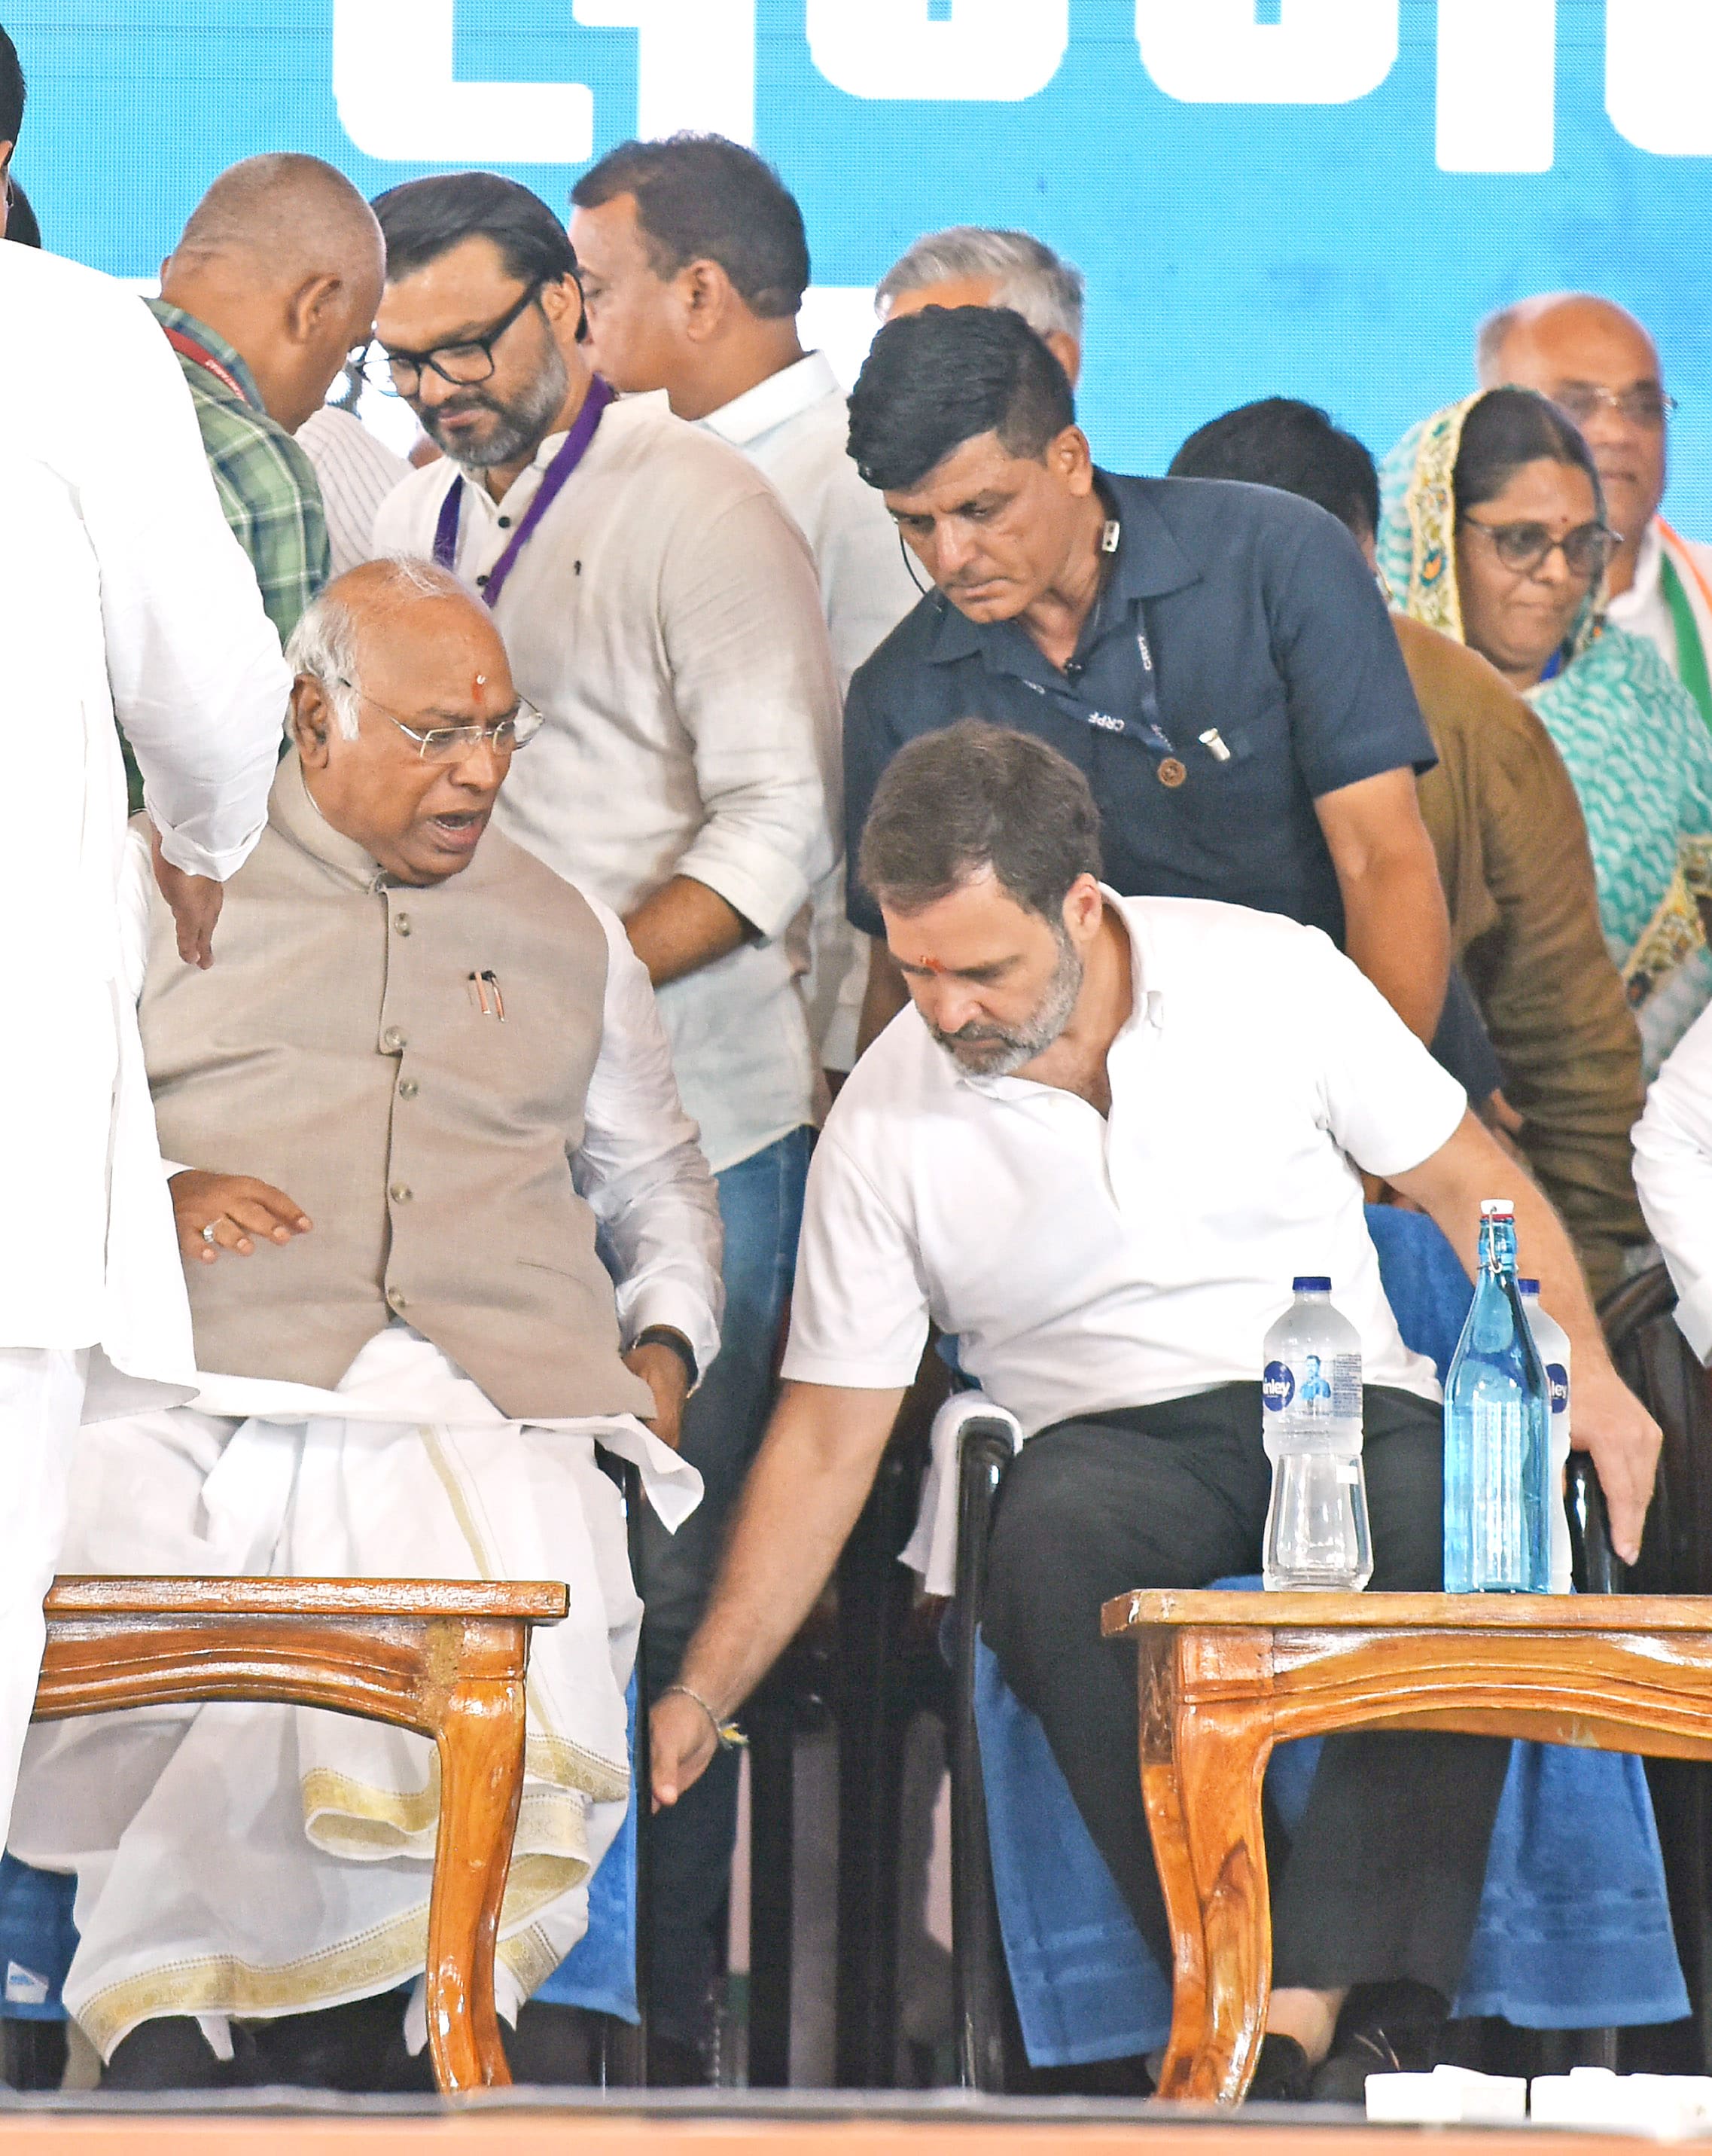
{"points": [[1494, 532]]}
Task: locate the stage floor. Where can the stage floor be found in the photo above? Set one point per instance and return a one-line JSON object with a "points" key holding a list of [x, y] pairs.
{"points": [[737, 2125]]}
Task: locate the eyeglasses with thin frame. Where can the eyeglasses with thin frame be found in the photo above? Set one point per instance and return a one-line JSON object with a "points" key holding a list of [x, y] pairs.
{"points": [[446, 744], [463, 364], [1647, 406], [1525, 547]]}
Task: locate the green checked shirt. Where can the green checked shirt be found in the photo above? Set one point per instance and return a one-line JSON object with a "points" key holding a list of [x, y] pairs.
{"points": [[266, 485]]}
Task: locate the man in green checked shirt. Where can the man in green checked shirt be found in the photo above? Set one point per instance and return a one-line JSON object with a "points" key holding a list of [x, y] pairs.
{"points": [[277, 276]]}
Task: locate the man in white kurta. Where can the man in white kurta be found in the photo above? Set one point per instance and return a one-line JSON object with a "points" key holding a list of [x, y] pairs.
{"points": [[426, 1076], [122, 591]]}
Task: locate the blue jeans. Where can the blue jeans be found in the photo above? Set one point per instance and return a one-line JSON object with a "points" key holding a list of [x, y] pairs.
{"points": [[761, 1204]]}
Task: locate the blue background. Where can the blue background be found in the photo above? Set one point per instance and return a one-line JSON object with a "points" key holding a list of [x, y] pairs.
{"points": [[1231, 251]]}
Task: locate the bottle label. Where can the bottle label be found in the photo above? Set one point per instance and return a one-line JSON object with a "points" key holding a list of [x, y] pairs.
{"points": [[1324, 1388], [1277, 1387], [1557, 1388]]}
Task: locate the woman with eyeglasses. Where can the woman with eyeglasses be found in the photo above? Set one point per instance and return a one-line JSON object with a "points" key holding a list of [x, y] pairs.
{"points": [[1494, 531]]}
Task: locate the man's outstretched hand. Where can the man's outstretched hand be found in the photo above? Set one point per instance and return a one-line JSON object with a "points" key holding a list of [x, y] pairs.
{"points": [[683, 1742], [241, 1209], [195, 902]]}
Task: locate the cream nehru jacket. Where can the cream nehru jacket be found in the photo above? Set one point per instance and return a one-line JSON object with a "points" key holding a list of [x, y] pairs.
{"points": [[339, 1048]]}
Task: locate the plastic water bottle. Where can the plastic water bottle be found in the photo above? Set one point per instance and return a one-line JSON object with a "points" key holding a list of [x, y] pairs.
{"points": [[1553, 1343], [1310, 1392], [1496, 1434]]}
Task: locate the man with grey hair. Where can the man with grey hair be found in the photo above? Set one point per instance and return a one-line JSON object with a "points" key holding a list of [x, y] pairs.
{"points": [[276, 277], [1596, 363], [425, 1075], [978, 266]]}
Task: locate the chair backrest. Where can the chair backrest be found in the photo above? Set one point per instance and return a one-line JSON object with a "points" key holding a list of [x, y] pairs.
{"points": [[1659, 1367]]}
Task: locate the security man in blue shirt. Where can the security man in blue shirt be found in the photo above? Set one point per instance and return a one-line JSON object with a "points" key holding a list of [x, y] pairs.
{"points": [[1215, 659]]}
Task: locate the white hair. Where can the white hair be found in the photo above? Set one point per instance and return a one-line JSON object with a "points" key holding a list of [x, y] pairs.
{"points": [[323, 644], [1043, 288]]}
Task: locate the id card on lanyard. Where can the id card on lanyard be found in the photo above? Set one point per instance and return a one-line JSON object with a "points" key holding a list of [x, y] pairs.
{"points": [[565, 459]]}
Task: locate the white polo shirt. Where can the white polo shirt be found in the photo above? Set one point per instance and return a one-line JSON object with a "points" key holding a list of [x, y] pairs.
{"points": [[665, 616], [1088, 1262], [796, 427]]}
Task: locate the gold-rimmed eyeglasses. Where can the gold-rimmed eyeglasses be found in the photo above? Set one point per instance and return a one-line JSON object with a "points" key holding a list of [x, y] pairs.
{"points": [[446, 744]]}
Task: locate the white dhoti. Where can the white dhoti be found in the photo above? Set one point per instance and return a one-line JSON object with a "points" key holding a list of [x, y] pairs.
{"points": [[254, 1860], [41, 1402]]}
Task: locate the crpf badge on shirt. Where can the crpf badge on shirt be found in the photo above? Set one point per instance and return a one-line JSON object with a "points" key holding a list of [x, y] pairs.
{"points": [[1172, 771]]}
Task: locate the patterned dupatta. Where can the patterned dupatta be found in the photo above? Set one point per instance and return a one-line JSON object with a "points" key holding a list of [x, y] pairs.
{"points": [[1620, 720]]}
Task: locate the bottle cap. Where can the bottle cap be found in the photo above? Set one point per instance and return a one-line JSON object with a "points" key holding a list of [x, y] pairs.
{"points": [[1312, 1284], [1498, 1208], [1527, 1288]]}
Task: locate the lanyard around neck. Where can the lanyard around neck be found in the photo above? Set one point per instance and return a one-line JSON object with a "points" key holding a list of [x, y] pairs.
{"points": [[187, 347], [566, 459]]}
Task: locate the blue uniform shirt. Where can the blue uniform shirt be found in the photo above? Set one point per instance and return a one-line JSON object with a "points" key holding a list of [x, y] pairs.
{"points": [[1261, 620]]}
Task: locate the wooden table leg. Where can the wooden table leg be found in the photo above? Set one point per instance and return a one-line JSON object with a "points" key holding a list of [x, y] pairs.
{"points": [[480, 1740], [1203, 1804]]}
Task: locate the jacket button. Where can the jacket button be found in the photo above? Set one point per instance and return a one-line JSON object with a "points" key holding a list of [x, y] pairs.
{"points": [[407, 1089], [401, 923], [394, 1296], [402, 1194], [392, 1038]]}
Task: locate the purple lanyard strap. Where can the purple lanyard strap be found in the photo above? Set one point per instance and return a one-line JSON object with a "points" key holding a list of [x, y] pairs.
{"points": [[569, 456]]}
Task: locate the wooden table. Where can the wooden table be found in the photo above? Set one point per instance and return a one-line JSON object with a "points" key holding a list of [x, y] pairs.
{"points": [[1224, 1677], [445, 1658]]}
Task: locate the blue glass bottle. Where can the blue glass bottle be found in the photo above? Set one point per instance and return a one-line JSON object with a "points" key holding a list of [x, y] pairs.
{"points": [[1497, 1428]]}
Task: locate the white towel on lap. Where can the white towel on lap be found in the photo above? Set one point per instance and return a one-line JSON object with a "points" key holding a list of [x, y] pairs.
{"points": [[256, 1860]]}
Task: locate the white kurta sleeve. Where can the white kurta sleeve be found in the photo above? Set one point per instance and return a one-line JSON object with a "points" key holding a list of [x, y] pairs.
{"points": [[640, 1166], [753, 684], [1673, 1176], [197, 680]]}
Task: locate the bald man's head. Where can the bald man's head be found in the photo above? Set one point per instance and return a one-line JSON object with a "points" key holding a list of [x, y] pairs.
{"points": [[283, 258], [401, 674], [1596, 361]]}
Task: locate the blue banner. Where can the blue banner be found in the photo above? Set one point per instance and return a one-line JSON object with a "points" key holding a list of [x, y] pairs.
{"points": [[1314, 197]]}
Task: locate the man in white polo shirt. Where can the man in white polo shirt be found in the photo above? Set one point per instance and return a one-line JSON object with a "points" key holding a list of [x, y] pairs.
{"points": [[660, 610], [693, 263], [1096, 1148]]}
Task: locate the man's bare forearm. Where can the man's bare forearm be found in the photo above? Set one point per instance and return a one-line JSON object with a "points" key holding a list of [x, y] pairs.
{"points": [[808, 1484], [1396, 929], [883, 998], [683, 926]]}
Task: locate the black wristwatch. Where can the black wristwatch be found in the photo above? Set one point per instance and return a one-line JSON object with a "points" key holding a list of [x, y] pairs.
{"points": [[668, 1336]]}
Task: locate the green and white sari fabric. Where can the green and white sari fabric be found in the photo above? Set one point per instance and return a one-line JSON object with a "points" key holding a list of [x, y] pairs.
{"points": [[1637, 749]]}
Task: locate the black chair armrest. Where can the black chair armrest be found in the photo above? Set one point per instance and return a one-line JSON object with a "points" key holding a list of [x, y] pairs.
{"points": [[989, 2045], [1594, 1566]]}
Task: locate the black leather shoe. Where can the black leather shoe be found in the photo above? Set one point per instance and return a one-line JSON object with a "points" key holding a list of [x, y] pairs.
{"points": [[1282, 2075], [1384, 2028], [170, 2053]]}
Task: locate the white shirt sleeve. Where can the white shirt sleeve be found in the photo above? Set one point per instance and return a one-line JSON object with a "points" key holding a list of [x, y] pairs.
{"points": [[356, 474], [1387, 1102], [860, 1306], [753, 685], [641, 1169], [197, 680], [1673, 1176]]}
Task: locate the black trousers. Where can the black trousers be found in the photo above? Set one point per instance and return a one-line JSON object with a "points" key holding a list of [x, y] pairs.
{"points": [[1381, 1879]]}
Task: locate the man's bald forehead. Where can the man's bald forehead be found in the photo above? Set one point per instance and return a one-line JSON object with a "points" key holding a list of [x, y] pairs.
{"points": [[290, 215], [1557, 319], [375, 592]]}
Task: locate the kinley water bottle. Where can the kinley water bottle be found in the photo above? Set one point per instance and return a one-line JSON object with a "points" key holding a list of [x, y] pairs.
{"points": [[1310, 1394], [1553, 1343], [1496, 1434]]}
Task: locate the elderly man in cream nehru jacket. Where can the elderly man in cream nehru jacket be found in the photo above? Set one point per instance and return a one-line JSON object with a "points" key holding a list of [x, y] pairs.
{"points": [[424, 1074]]}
